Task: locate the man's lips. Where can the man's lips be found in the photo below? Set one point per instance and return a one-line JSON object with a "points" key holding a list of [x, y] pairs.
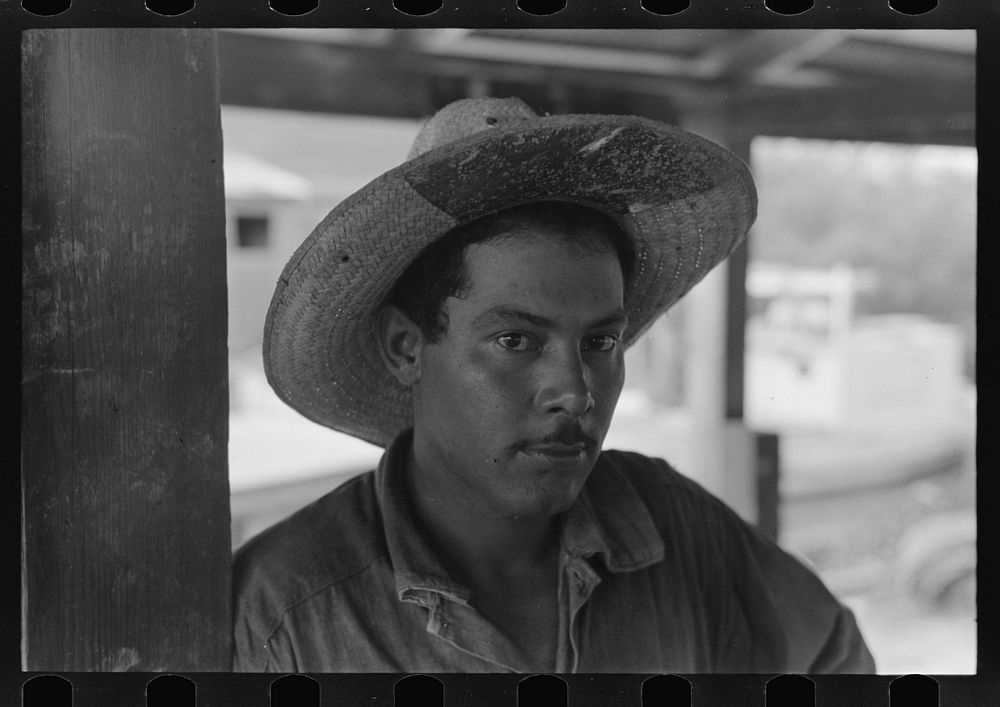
{"points": [[563, 444], [556, 450]]}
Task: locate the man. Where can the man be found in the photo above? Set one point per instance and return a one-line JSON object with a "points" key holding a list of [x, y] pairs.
{"points": [[469, 311]]}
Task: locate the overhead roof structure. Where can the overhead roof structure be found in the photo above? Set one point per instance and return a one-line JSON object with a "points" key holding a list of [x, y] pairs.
{"points": [[891, 85]]}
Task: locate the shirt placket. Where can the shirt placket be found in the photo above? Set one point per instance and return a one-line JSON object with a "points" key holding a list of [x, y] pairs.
{"points": [[581, 579], [459, 624]]}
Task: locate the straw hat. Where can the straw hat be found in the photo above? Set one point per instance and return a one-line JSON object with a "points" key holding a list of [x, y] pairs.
{"points": [[684, 201]]}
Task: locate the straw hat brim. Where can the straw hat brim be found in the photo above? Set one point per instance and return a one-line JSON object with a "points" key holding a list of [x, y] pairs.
{"points": [[685, 202]]}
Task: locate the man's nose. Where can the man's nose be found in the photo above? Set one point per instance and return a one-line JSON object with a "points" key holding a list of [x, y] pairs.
{"points": [[565, 386]]}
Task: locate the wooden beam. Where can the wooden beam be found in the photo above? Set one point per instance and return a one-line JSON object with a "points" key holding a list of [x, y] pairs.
{"points": [[714, 315], [370, 78], [770, 57], [125, 398], [336, 71], [730, 296], [463, 44], [768, 464], [263, 71], [896, 111], [872, 55]]}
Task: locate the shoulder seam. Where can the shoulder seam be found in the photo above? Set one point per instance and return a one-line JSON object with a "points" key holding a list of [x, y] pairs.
{"points": [[281, 615], [674, 480]]}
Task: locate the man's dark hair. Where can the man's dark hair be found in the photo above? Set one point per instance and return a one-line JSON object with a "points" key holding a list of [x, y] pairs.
{"points": [[439, 271]]}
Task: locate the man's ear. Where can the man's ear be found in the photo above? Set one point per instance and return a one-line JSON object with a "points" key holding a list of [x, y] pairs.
{"points": [[400, 342]]}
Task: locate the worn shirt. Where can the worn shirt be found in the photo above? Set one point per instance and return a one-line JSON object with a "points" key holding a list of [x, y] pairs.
{"points": [[656, 576]]}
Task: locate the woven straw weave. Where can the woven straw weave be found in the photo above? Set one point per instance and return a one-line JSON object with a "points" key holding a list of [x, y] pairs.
{"points": [[685, 202]]}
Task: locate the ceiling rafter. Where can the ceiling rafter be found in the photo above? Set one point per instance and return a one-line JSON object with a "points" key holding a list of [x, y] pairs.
{"points": [[766, 57], [799, 81], [513, 51], [763, 57]]}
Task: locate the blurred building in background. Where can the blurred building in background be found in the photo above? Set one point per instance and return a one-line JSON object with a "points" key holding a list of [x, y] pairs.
{"points": [[832, 331], [265, 206], [814, 363], [284, 171]]}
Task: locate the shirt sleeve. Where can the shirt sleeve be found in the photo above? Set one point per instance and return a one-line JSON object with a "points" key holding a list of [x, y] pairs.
{"points": [[246, 657], [845, 650], [765, 610], [250, 653], [259, 643], [788, 605]]}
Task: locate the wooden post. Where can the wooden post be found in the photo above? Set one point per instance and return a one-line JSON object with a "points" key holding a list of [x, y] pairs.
{"points": [[126, 550], [714, 316], [768, 465]]}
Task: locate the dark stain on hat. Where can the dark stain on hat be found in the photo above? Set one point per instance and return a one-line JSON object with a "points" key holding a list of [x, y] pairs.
{"points": [[598, 163]]}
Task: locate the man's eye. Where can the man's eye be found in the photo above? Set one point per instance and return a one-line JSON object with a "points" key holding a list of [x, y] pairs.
{"points": [[515, 342], [604, 342]]}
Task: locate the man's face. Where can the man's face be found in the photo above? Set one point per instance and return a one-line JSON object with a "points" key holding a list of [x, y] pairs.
{"points": [[513, 402]]}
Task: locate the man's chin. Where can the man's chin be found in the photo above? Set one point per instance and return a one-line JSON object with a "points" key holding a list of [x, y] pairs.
{"points": [[550, 499], [526, 513]]}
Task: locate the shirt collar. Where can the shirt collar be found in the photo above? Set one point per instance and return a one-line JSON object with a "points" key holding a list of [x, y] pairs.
{"points": [[609, 520], [417, 570]]}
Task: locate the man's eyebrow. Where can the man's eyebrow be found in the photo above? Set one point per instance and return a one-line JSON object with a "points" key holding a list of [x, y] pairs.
{"points": [[505, 313], [617, 317]]}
